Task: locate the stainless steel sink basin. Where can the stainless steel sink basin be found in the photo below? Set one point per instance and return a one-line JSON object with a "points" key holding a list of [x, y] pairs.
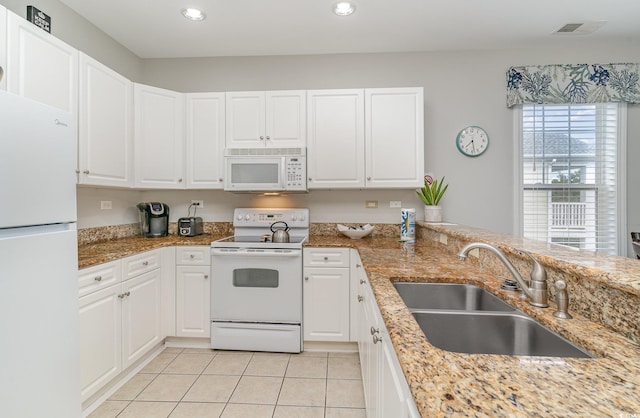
{"points": [[450, 296], [494, 333]]}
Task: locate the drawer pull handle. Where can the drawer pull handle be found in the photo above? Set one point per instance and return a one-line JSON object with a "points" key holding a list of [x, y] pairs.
{"points": [[362, 281], [376, 339], [97, 278], [145, 263], [360, 298], [375, 331], [358, 265]]}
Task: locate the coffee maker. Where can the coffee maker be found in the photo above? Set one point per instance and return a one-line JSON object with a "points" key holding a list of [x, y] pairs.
{"points": [[154, 219]]}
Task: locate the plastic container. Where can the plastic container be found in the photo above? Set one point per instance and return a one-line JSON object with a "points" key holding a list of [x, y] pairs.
{"points": [[408, 224]]}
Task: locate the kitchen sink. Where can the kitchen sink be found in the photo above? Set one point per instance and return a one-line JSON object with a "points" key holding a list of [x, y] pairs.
{"points": [[450, 296], [494, 333]]}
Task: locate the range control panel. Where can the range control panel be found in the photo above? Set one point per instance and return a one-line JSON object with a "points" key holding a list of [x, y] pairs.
{"points": [[249, 217]]}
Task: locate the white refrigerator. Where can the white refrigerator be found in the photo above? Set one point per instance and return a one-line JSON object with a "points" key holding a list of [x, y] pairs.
{"points": [[39, 352]]}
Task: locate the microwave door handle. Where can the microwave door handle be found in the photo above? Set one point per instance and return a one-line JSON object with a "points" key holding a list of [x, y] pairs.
{"points": [[283, 173]]}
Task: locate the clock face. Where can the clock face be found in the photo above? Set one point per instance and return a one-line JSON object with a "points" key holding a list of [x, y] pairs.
{"points": [[472, 141]]}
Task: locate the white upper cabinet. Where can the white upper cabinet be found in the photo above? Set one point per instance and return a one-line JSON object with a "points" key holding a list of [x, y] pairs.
{"points": [[266, 119], [40, 66], [394, 137], [158, 137], [205, 140], [3, 47], [105, 146], [335, 139]]}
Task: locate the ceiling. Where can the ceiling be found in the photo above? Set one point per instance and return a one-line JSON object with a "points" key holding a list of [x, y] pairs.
{"points": [[157, 29]]}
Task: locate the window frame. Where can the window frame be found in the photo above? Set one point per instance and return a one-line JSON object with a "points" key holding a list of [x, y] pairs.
{"points": [[621, 173]]}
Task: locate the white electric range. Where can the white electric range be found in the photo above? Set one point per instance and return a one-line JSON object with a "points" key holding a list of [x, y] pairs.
{"points": [[256, 287]]}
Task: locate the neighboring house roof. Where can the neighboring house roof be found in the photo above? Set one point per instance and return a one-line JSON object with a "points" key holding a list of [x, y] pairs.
{"points": [[556, 145]]}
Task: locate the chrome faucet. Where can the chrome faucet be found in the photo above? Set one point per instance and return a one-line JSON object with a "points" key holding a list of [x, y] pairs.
{"points": [[536, 291]]}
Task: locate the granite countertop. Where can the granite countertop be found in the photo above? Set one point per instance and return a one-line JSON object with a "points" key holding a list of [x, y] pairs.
{"points": [[452, 384]]}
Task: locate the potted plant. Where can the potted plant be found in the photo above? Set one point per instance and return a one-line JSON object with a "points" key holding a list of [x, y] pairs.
{"points": [[431, 194]]}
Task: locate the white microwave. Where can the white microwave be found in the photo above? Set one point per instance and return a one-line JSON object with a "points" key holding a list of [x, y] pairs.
{"points": [[265, 169]]}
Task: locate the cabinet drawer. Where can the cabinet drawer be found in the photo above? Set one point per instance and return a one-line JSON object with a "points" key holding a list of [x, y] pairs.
{"points": [[326, 257], [140, 263], [193, 256], [98, 277]]}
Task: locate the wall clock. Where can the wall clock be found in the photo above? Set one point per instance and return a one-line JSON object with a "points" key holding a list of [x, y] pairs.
{"points": [[472, 141]]}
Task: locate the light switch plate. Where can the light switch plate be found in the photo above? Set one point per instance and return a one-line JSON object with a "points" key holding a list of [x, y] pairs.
{"points": [[395, 204], [371, 204], [106, 205]]}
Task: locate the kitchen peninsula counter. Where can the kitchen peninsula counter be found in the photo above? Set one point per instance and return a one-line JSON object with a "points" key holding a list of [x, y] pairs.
{"points": [[452, 384]]}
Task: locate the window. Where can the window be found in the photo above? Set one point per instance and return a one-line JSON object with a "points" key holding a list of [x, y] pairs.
{"points": [[572, 175]]}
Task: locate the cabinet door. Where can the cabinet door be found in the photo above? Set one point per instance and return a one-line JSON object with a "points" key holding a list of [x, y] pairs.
{"points": [[326, 304], [371, 355], [193, 316], [3, 47], [205, 140], [105, 147], [141, 316], [394, 138], [100, 339], [285, 118], [335, 139], [40, 66], [245, 115], [158, 140], [392, 394]]}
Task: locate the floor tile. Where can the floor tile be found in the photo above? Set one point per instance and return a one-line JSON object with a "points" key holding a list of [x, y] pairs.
{"points": [[267, 365], [212, 388], [167, 387], [302, 392], [148, 410], [311, 367], [189, 363], [133, 387], [311, 354], [158, 364], [109, 409], [175, 350], [345, 413], [197, 410], [257, 390], [228, 363], [285, 411], [345, 393], [344, 368], [344, 354], [247, 411]]}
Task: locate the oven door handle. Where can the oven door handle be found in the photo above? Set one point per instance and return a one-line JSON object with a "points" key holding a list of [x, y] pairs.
{"points": [[258, 253]]}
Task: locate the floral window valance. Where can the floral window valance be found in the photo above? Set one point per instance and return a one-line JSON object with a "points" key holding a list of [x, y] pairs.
{"points": [[582, 83]]}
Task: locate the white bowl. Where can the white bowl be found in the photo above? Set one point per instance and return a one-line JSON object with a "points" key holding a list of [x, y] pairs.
{"points": [[356, 232]]}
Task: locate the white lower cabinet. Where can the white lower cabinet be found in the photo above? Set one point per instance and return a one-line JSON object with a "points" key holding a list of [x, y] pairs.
{"points": [[386, 391], [121, 322], [193, 292], [326, 312]]}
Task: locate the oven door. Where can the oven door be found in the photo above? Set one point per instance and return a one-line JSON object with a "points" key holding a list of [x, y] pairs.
{"points": [[256, 285], [256, 173]]}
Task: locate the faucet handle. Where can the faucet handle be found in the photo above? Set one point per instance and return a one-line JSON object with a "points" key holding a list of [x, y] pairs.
{"points": [[562, 299]]}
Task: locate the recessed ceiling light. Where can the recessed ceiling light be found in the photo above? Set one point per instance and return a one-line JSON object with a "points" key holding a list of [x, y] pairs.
{"points": [[193, 14], [344, 8]]}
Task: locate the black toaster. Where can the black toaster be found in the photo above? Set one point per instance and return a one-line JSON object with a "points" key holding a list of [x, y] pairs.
{"points": [[190, 227]]}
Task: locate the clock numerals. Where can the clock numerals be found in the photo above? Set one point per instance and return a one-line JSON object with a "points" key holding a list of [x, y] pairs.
{"points": [[472, 141]]}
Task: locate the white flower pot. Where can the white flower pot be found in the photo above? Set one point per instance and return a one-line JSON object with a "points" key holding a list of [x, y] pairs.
{"points": [[433, 213]]}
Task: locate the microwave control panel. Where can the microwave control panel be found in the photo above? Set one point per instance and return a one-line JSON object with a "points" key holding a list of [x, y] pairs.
{"points": [[295, 171]]}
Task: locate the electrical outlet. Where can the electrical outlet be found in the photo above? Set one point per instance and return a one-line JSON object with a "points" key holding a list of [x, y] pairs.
{"points": [[106, 205], [198, 203], [395, 204], [443, 239], [371, 204]]}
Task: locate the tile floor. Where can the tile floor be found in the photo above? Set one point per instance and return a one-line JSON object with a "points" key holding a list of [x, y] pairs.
{"points": [[195, 383]]}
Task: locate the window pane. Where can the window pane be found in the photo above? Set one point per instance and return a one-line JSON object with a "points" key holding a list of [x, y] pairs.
{"points": [[569, 175]]}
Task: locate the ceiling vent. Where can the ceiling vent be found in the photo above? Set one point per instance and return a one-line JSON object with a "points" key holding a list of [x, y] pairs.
{"points": [[583, 28]]}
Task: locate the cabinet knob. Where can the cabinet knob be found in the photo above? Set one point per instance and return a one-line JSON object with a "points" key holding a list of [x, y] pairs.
{"points": [[77, 171], [358, 265], [310, 179], [145, 263], [85, 171], [326, 258], [121, 295], [97, 278], [306, 278], [179, 180], [268, 137], [369, 178], [376, 339], [362, 281], [127, 293], [261, 138], [206, 276], [375, 331], [220, 179], [360, 298], [191, 256]]}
